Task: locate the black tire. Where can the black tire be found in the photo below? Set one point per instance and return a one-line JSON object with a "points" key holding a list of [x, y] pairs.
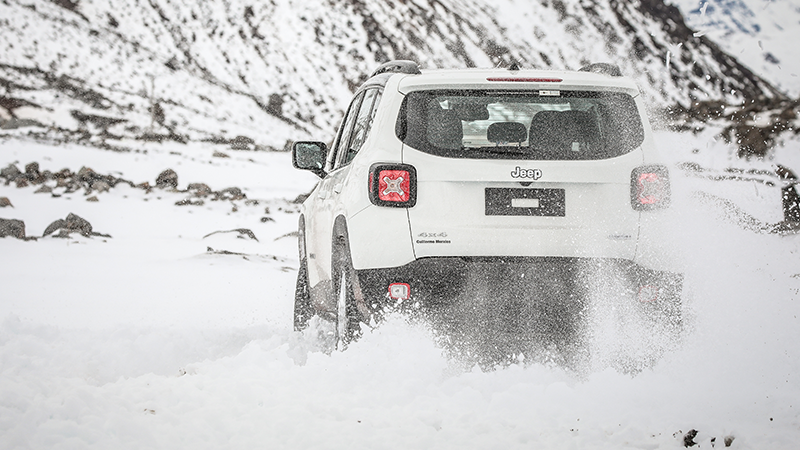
{"points": [[303, 310], [347, 318]]}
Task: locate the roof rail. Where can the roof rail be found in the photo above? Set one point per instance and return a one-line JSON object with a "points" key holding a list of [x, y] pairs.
{"points": [[603, 68], [397, 66]]}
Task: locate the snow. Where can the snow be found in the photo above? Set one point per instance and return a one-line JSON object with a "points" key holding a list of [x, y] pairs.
{"points": [[759, 33], [147, 340]]}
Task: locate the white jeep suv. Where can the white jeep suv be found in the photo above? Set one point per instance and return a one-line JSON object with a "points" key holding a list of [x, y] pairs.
{"points": [[442, 180]]}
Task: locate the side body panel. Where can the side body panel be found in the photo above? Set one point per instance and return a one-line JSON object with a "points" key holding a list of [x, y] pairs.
{"points": [[658, 229], [379, 237]]}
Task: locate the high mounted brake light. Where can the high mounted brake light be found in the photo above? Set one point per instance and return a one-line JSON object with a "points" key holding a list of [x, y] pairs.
{"points": [[526, 80], [650, 188], [393, 185]]}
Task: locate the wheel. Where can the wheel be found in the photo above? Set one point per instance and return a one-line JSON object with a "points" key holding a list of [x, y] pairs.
{"points": [[348, 317], [303, 310]]}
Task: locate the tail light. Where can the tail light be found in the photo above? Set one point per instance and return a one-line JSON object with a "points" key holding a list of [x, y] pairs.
{"points": [[650, 188], [393, 185]]}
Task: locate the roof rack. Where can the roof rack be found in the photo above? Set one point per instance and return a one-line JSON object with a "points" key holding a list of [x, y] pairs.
{"points": [[398, 66], [603, 68]]}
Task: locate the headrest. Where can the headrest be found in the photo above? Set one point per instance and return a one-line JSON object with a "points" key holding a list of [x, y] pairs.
{"points": [[559, 130], [444, 128], [505, 132]]}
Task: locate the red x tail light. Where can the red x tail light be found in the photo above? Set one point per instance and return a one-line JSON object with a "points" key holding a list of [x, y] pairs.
{"points": [[393, 185], [650, 188]]}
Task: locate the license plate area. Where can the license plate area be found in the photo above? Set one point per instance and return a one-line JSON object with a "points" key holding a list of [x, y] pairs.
{"points": [[525, 202]]}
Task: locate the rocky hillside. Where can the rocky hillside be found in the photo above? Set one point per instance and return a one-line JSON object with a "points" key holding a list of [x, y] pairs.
{"points": [[258, 74], [761, 34]]}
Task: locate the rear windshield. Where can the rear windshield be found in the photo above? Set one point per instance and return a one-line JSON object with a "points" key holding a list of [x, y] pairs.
{"points": [[536, 125]]}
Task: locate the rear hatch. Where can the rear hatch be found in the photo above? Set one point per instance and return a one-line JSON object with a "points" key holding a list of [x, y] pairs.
{"points": [[522, 173]]}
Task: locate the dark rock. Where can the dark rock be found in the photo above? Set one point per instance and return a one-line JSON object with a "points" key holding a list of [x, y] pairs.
{"points": [[4, 201], [223, 252], [89, 177], [200, 189], [753, 140], [55, 226], [231, 193], [688, 439], [242, 143], [189, 202], [71, 5], [101, 186], [173, 64], [72, 224], [243, 233], [45, 189], [12, 227], [93, 199], [275, 105], [77, 223], [32, 168], [21, 181], [218, 154], [14, 123], [102, 122], [63, 174], [266, 219], [167, 179], [10, 173]]}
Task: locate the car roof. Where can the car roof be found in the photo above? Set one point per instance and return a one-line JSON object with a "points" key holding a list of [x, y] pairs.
{"points": [[513, 80]]}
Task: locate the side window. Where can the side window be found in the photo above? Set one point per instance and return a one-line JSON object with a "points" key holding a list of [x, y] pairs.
{"points": [[363, 122], [344, 132]]}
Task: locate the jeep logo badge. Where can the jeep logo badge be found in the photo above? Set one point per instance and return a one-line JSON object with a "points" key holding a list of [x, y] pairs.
{"points": [[526, 173]]}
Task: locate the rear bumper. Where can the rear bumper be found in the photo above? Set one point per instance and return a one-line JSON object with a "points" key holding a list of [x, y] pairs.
{"points": [[439, 280]]}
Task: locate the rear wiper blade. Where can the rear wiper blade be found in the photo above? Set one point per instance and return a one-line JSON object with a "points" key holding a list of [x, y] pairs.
{"points": [[500, 150]]}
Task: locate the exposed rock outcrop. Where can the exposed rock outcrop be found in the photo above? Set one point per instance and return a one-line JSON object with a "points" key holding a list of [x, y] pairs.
{"points": [[72, 224], [13, 228]]}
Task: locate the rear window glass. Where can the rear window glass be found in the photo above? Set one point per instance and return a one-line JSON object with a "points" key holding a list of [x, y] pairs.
{"points": [[536, 125]]}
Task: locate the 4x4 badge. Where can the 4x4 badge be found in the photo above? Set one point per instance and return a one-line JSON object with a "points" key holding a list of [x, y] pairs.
{"points": [[526, 173]]}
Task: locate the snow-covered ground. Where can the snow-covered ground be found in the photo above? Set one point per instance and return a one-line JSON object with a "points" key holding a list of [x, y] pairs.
{"points": [[147, 339]]}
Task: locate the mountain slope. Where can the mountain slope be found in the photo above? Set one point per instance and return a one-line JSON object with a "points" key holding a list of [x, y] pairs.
{"points": [[270, 72], [761, 34]]}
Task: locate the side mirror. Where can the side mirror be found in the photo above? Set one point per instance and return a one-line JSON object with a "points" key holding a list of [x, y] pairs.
{"points": [[309, 155]]}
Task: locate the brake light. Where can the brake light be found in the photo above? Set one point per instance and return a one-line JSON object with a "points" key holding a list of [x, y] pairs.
{"points": [[393, 185], [526, 80], [650, 188]]}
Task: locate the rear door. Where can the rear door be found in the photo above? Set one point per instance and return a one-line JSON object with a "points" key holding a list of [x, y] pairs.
{"points": [[522, 174]]}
